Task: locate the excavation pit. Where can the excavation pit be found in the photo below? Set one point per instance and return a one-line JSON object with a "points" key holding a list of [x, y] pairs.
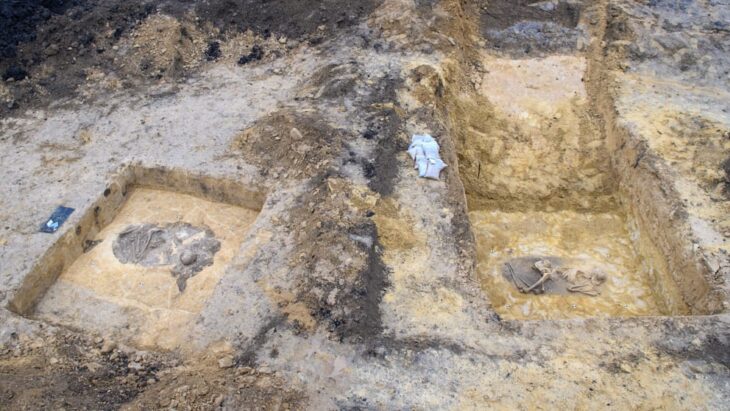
{"points": [[146, 273], [544, 181], [510, 243]]}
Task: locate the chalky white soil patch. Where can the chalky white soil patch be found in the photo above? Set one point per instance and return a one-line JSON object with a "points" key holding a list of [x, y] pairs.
{"points": [[100, 293]]}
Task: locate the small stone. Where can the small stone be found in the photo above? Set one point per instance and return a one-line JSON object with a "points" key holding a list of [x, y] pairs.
{"points": [[108, 347], [218, 400], [426, 48], [134, 365], [188, 257], [53, 361], [282, 40], [98, 340], [247, 381], [151, 381], [51, 50], [295, 134], [226, 362], [92, 366]]}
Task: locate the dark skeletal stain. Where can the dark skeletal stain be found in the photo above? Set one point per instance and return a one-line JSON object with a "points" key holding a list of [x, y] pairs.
{"points": [[177, 245]]}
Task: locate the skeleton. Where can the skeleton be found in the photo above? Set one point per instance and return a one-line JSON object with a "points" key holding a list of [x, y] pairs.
{"points": [[579, 281], [186, 249]]}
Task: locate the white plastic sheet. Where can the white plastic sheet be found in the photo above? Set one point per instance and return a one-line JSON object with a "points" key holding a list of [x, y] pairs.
{"points": [[424, 151]]}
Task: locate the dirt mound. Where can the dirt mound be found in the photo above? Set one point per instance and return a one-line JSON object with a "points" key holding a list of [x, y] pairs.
{"points": [[338, 261], [65, 370], [19, 20], [163, 46], [295, 143], [72, 371], [57, 46], [292, 18]]}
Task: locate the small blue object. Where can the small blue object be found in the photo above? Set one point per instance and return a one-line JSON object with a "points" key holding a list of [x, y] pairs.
{"points": [[56, 219]]}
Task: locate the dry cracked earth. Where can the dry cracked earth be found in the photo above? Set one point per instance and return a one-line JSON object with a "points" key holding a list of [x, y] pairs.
{"points": [[249, 232]]}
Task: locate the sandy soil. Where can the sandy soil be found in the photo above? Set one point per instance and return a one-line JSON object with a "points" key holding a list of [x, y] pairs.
{"points": [[595, 133]]}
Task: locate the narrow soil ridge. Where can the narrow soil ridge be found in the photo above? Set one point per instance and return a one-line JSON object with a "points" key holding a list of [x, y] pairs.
{"points": [[655, 206]]}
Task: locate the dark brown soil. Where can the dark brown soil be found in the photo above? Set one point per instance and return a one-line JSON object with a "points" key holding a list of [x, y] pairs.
{"points": [[501, 14], [292, 18], [713, 347], [19, 20], [56, 51], [522, 27], [67, 372], [54, 43], [385, 127]]}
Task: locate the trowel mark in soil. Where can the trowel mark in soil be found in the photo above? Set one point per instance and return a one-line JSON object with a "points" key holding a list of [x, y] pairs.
{"points": [[249, 350], [187, 248]]}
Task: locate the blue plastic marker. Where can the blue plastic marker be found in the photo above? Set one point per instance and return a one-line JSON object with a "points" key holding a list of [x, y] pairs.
{"points": [[56, 219]]}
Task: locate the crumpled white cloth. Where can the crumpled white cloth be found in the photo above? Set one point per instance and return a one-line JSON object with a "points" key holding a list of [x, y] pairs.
{"points": [[424, 151]]}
